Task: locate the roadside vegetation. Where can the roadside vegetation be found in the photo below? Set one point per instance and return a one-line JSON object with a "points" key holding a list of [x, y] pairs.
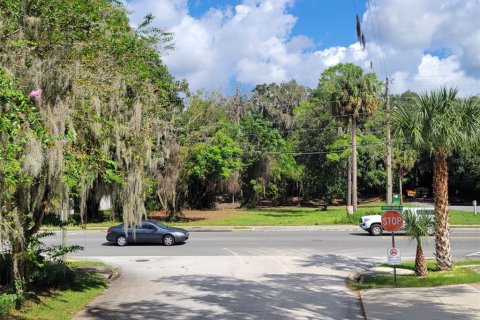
{"points": [[463, 272], [277, 216], [66, 289]]}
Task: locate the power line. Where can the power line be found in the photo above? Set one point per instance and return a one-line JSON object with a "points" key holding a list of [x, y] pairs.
{"points": [[376, 41], [366, 48], [314, 152], [380, 36]]}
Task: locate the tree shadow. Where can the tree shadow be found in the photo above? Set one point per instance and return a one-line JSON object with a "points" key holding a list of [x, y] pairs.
{"points": [[338, 262], [425, 303], [274, 296]]}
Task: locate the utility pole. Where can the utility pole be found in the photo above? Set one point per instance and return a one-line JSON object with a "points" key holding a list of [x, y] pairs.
{"points": [[389, 145], [63, 220]]}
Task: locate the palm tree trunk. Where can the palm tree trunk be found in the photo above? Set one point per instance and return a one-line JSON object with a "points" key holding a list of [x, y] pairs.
{"points": [[349, 187], [400, 188], [442, 226], [354, 164], [420, 262]]}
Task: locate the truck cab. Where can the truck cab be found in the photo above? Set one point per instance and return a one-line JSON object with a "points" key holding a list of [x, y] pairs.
{"points": [[373, 223]]}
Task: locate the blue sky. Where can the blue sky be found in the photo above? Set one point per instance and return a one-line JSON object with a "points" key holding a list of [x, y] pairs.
{"points": [[420, 44], [328, 22]]}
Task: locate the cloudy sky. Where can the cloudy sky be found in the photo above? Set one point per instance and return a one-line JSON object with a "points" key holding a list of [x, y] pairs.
{"points": [[420, 44]]}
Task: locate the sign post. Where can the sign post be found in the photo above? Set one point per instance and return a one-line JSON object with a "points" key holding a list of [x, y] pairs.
{"points": [[393, 221]]}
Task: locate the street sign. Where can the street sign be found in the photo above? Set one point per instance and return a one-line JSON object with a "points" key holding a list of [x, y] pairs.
{"points": [[392, 221], [396, 198], [393, 256], [396, 208]]}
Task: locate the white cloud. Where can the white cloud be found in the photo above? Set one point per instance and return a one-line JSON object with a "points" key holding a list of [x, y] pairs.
{"points": [[252, 42], [411, 31]]}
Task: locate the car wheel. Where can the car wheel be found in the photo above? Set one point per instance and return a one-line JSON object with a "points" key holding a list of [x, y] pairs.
{"points": [[376, 230], [431, 230], [121, 241], [168, 240]]}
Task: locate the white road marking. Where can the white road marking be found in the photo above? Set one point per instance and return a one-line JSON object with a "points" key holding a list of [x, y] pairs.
{"points": [[474, 254], [230, 251]]}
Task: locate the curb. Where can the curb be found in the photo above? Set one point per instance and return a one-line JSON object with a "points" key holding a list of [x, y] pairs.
{"points": [[266, 228]]}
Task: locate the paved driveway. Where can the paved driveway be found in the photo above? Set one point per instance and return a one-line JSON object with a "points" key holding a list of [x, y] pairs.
{"points": [[226, 287], [244, 275]]}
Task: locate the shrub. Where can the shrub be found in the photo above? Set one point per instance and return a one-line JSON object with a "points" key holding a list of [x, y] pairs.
{"points": [[354, 218], [7, 303]]}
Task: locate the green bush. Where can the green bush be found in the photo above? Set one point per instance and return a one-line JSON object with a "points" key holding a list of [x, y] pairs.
{"points": [[7, 303], [54, 275], [352, 218]]}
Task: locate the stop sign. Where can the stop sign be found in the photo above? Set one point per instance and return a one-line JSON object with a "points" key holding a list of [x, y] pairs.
{"points": [[392, 221]]}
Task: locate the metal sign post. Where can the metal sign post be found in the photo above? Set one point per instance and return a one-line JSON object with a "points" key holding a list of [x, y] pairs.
{"points": [[393, 221], [394, 266]]}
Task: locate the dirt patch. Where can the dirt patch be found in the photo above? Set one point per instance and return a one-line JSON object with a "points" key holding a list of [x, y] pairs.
{"points": [[223, 210]]}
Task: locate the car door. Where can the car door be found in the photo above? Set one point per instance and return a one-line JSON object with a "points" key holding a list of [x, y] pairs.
{"points": [[136, 234], [150, 233]]}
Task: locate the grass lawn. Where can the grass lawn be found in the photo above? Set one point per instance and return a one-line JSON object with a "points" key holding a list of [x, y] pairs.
{"points": [[309, 216], [464, 272], [289, 216], [464, 218], [63, 303]]}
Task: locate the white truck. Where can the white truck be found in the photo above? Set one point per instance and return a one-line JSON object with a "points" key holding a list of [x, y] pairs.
{"points": [[373, 223]]}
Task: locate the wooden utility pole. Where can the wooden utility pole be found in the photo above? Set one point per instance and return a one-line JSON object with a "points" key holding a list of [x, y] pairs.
{"points": [[389, 145]]}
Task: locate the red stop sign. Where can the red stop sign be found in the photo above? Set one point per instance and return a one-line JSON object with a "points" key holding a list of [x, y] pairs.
{"points": [[392, 221]]}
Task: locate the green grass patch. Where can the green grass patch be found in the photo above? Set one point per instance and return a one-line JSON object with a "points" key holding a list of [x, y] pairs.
{"points": [[285, 217], [464, 218], [83, 263], [463, 272], [64, 302], [295, 216]]}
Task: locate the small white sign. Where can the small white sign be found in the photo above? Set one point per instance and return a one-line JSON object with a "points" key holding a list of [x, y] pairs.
{"points": [[393, 256]]}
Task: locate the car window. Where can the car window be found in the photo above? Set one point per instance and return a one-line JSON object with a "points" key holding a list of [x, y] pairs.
{"points": [[148, 226]]}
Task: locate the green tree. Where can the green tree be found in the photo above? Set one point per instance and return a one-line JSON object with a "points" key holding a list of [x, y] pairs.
{"points": [[418, 225], [209, 165], [102, 94], [352, 97], [24, 144], [439, 123], [277, 102], [268, 161], [403, 160], [321, 152]]}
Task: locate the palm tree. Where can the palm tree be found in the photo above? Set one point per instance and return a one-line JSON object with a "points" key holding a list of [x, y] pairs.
{"points": [[439, 123], [418, 225], [352, 96], [403, 161]]}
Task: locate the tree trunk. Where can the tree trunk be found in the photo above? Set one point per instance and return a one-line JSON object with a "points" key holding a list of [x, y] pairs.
{"points": [[354, 164], [442, 226], [400, 187], [18, 261], [420, 262], [349, 188]]}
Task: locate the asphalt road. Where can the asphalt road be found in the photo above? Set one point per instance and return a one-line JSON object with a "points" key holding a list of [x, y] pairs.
{"points": [[355, 244], [244, 275]]}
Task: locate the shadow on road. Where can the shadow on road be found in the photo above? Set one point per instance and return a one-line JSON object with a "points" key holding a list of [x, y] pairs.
{"points": [[275, 296], [338, 262]]}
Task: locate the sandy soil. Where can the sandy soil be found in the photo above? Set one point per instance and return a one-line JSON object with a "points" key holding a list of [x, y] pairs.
{"points": [[223, 210]]}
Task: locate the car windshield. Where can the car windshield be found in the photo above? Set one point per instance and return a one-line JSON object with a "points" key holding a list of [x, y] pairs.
{"points": [[161, 225]]}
